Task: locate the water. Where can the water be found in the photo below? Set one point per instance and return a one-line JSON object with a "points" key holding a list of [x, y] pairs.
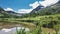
{"points": [[12, 30], [59, 32]]}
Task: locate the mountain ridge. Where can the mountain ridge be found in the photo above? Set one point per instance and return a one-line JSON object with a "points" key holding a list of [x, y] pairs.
{"points": [[57, 5], [39, 8]]}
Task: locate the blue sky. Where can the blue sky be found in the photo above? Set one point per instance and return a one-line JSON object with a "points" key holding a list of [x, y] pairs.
{"points": [[24, 6], [17, 4]]}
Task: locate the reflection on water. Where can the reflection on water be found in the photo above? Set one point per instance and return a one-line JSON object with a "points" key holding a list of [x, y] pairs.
{"points": [[11, 30], [59, 32]]}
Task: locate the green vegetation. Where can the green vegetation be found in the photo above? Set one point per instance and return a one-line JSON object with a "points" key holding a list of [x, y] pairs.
{"points": [[45, 21], [21, 31], [48, 21]]}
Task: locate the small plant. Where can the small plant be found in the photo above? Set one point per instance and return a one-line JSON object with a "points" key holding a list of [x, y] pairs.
{"points": [[21, 31]]}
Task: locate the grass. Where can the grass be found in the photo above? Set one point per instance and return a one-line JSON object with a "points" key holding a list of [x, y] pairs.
{"points": [[31, 22]]}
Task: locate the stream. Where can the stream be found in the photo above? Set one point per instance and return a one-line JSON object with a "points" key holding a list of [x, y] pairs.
{"points": [[11, 30]]}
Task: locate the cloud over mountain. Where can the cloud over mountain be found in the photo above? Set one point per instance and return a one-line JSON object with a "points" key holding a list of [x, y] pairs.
{"points": [[34, 5], [24, 10], [44, 3], [9, 9]]}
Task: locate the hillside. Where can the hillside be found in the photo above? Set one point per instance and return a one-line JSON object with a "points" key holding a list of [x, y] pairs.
{"points": [[45, 20], [8, 14], [53, 9]]}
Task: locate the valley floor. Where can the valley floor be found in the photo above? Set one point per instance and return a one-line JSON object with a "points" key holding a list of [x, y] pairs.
{"points": [[30, 22]]}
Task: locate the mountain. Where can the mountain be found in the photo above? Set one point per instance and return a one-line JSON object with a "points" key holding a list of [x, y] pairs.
{"points": [[53, 9], [37, 8], [40, 10], [13, 13], [10, 12]]}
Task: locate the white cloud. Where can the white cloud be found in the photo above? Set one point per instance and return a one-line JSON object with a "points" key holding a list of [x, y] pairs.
{"points": [[34, 5], [8, 9], [24, 10], [44, 3], [48, 2]]}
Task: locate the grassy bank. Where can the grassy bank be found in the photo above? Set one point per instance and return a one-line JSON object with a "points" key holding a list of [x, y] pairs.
{"points": [[48, 23]]}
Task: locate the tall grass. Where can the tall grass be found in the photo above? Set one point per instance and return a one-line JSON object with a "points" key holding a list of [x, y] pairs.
{"points": [[21, 31]]}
